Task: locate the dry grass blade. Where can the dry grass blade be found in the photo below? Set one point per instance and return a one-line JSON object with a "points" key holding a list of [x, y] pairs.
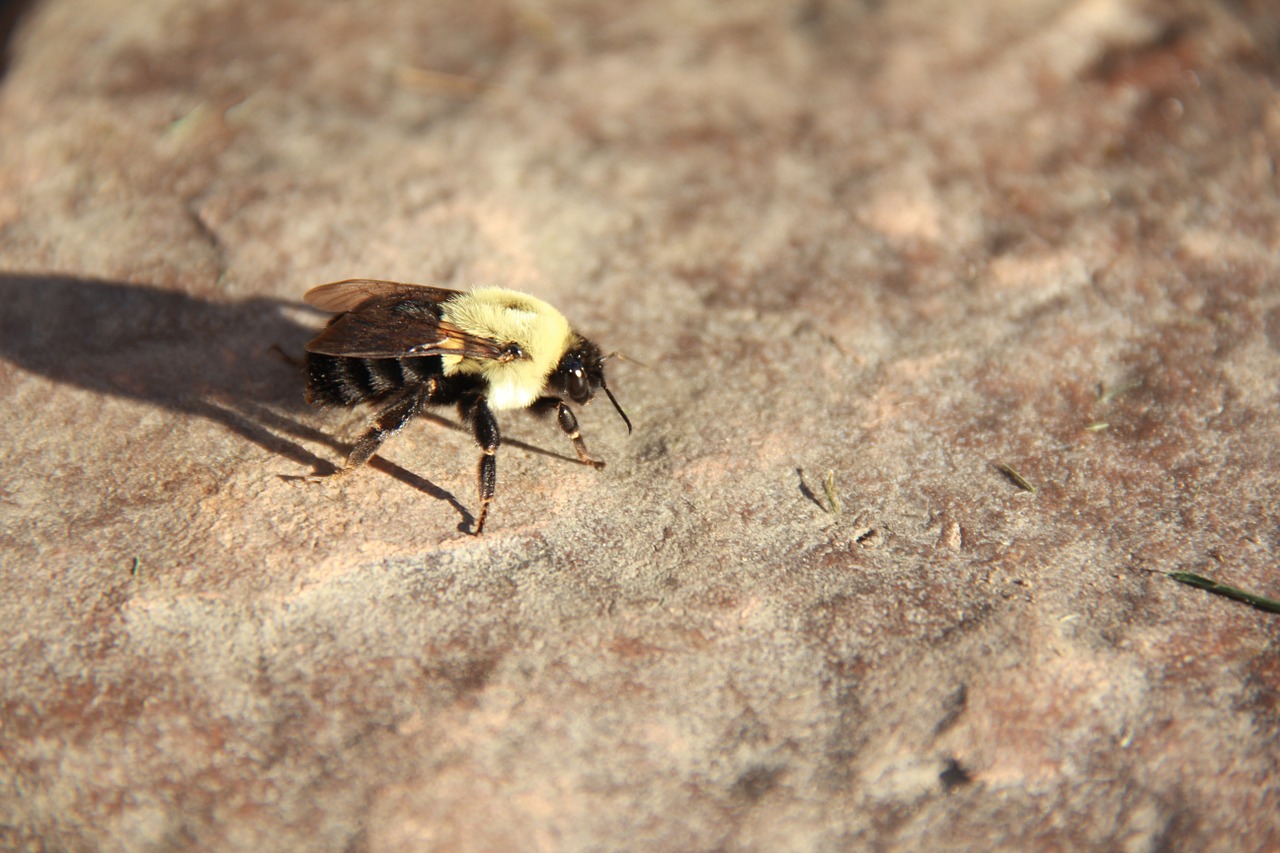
{"points": [[1014, 477], [829, 486]]}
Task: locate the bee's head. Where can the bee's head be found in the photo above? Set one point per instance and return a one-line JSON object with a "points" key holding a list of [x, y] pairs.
{"points": [[580, 372]]}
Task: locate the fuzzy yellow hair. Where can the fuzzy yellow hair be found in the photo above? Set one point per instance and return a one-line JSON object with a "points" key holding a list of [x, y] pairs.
{"points": [[541, 331]]}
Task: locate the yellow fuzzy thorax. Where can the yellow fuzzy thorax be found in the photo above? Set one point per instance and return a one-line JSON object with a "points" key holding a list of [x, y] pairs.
{"points": [[511, 317]]}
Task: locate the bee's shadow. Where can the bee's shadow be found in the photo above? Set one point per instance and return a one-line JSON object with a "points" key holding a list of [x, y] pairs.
{"points": [[166, 348]]}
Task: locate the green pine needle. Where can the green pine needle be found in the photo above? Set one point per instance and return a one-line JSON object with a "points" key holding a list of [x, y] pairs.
{"points": [[1209, 585]]}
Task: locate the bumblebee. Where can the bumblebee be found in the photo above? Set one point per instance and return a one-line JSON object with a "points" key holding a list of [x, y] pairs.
{"points": [[405, 347]]}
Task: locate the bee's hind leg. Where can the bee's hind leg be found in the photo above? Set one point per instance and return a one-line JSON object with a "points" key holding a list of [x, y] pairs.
{"points": [[385, 424]]}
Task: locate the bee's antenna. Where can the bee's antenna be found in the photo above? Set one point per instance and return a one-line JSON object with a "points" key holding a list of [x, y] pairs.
{"points": [[623, 357], [626, 420]]}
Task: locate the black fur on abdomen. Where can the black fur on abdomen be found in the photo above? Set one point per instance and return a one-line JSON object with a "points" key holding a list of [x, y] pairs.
{"points": [[334, 380]]}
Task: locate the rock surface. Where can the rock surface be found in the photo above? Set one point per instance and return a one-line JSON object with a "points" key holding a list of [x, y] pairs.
{"points": [[907, 244]]}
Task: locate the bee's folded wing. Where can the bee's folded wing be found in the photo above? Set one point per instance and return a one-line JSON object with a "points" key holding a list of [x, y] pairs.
{"points": [[350, 294], [395, 327]]}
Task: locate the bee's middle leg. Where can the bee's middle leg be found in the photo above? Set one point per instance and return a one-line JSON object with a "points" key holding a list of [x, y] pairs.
{"points": [[484, 426]]}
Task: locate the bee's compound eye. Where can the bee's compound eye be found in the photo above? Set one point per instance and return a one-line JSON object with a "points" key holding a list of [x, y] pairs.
{"points": [[577, 386]]}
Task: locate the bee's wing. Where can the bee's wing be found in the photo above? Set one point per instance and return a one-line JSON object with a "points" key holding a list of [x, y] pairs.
{"points": [[398, 323], [353, 292]]}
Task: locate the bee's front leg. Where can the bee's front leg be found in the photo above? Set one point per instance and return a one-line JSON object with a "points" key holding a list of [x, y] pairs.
{"points": [[569, 424]]}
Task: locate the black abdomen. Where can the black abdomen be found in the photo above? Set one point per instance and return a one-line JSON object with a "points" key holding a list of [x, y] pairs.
{"points": [[334, 380]]}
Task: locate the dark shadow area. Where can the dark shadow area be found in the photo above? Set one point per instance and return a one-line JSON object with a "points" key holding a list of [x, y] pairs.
{"points": [[162, 347], [11, 15], [808, 492], [190, 355]]}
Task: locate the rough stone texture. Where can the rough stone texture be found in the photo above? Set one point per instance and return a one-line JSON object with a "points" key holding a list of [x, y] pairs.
{"points": [[901, 242]]}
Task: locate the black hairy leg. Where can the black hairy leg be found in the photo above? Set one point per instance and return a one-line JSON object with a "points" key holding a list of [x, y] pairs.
{"points": [[385, 424], [569, 423], [485, 429]]}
